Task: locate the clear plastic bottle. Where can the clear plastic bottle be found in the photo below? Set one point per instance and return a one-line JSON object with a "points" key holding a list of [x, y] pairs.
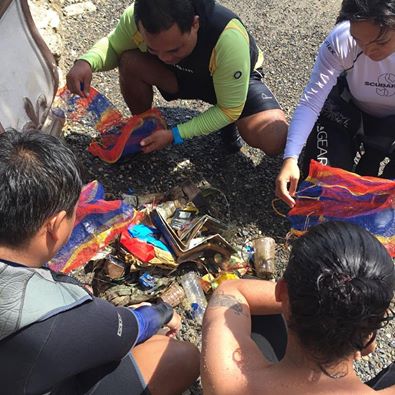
{"points": [[55, 121], [195, 295], [264, 256]]}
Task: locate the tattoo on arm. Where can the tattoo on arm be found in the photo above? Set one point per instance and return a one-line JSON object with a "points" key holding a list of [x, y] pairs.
{"points": [[220, 299]]}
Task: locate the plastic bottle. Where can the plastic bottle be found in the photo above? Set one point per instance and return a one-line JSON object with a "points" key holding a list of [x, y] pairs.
{"points": [[264, 256], [195, 295], [54, 123]]}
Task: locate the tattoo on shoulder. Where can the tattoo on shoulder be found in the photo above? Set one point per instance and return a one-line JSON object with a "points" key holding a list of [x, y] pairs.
{"points": [[221, 299]]}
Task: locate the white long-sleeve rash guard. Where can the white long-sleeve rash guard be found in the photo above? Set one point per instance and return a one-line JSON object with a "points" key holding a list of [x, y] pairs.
{"points": [[371, 84]]}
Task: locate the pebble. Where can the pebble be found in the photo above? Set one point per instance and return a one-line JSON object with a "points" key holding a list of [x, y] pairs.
{"points": [[79, 8]]}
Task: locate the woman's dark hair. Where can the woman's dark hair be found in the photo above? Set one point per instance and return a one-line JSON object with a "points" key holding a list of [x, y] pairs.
{"points": [[380, 12], [340, 282], [159, 15], [39, 177]]}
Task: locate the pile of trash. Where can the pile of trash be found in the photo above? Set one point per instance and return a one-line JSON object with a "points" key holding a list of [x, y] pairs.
{"points": [[170, 245]]}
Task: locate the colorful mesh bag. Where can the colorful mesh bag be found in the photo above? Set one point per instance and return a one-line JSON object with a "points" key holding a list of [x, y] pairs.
{"points": [[332, 194], [119, 137], [98, 222]]}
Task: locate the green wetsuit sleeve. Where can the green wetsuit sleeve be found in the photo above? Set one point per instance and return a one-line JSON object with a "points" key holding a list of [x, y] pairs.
{"points": [[104, 55], [230, 68]]}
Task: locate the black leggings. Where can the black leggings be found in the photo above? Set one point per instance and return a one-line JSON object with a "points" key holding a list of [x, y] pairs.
{"points": [[270, 334], [339, 131]]}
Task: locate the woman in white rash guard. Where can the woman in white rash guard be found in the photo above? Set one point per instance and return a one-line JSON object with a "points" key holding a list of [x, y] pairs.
{"points": [[349, 100]]}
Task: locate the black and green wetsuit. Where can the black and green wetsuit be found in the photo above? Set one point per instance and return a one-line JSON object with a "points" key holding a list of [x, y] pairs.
{"points": [[217, 71]]}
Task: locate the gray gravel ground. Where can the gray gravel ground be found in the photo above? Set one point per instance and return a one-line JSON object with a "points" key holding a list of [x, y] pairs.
{"points": [[289, 33]]}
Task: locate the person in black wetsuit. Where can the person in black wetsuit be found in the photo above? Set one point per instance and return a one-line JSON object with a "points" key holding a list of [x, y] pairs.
{"points": [[55, 337]]}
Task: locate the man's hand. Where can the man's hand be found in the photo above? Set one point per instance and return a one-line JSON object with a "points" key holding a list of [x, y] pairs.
{"points": [[157, 141], [174, 325], [79, 78], [289, 174]]}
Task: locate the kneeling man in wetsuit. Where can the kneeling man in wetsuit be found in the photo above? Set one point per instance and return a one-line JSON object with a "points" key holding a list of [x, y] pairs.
{"points": [[189, 49]]}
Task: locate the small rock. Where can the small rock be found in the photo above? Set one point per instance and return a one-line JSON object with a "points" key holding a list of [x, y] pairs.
{"points": [[79, 8]]}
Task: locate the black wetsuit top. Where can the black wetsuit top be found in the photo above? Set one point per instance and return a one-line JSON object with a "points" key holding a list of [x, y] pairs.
{"points": [[82, 350], [197, 64]]}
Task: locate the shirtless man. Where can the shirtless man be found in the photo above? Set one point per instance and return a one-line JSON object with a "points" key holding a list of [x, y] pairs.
{"points": [[334, 296]]}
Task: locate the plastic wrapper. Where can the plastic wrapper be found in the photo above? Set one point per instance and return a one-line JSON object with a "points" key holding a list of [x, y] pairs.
{"points": [[141, 242]]}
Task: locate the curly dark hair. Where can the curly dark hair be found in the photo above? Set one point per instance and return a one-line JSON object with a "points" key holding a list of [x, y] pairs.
{"points": [[159, 15], [340, 281], [380, 12]]}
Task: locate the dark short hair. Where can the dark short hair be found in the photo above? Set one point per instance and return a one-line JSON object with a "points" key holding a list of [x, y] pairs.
{"points": [[380, 12], [39, 177], [159, 15], [340, 282]]}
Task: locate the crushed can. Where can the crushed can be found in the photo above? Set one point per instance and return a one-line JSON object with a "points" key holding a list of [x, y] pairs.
{"points": [[264, 256]]}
